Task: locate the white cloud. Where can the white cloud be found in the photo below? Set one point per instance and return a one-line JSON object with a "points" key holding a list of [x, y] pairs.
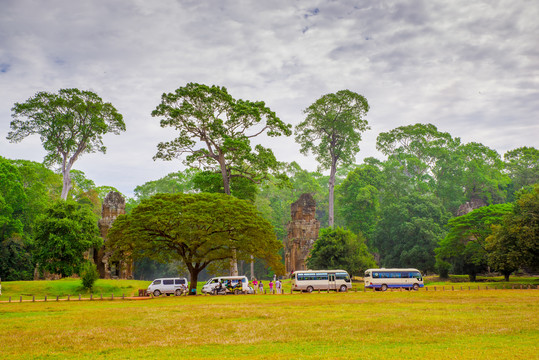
{"points": [[469, 67]]}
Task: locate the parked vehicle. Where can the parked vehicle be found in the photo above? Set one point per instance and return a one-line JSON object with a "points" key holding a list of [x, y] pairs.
{"points": [[169, 286], [310, 280], [230, 284], [382, 279]]}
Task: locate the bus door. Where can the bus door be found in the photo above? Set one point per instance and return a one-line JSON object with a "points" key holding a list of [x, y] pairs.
{"points": [[332, 284]]}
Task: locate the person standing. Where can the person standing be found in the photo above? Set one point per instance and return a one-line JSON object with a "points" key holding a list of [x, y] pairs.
{"points": [[271, 287], [255, 285], [260, 287], [278, 286]]}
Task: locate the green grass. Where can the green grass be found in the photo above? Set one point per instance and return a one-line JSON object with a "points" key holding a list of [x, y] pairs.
{"points": [[500, 324]]}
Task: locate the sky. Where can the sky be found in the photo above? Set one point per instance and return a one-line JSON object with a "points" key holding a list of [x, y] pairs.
{"points": [[469, 67]]}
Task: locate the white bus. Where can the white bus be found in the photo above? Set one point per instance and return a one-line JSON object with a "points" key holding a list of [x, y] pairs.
{"points": [[309, 280], [382, 279]]}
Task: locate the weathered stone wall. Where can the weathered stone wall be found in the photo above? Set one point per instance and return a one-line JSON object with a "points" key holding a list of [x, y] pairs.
{"points": [[113, 206], [302, 233], [470, 206]]}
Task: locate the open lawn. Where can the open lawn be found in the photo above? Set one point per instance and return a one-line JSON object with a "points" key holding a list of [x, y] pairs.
{"points": [[485, 324]]}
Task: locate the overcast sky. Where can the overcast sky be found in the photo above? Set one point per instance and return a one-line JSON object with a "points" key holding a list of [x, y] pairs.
{"points": [[469, 67]]}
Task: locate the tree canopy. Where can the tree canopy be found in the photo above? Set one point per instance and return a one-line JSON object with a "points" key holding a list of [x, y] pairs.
{"points": [[69, 123], [465, 244], [215, 132], [196, 229], [337, 248]]}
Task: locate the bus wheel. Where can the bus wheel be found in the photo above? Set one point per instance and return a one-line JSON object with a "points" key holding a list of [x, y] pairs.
{"points": [[384, 287], [343, 288], [310, 289], [416, 287]]}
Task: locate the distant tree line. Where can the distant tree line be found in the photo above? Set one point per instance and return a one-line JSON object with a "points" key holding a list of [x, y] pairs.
{"points": [[403, 211]]}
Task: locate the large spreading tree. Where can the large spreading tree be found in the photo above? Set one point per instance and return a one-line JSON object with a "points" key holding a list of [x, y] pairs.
{"points": [[332, 131], [196, 229], [69, 123], [215, 133]]}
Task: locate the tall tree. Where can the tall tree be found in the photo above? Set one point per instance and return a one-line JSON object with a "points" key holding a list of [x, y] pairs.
{"points": [[215, 132], [196, 229], [69, 124], [332, 131]]}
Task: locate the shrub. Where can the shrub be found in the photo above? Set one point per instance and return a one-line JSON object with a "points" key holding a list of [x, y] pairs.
{"points": [[88, 275]]}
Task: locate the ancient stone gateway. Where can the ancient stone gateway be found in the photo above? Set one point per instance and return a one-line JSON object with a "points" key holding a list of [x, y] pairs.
{"points": [[113, 206], [302, 233]]}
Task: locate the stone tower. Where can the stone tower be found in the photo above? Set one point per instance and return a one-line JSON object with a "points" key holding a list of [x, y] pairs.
{"points": [[113, 206], [302, 233]]}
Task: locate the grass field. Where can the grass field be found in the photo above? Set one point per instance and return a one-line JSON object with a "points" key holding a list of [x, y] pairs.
{"points": [[485, 324]]}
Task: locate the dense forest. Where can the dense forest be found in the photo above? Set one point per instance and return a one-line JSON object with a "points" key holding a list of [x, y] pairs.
{"points": [[405, 208]]}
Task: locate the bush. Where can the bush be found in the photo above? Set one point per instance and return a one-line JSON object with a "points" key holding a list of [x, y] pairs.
{"points": [[88, 275]]}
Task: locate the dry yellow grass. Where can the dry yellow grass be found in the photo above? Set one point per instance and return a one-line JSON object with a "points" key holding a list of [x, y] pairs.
{"points": [[500, 324]]}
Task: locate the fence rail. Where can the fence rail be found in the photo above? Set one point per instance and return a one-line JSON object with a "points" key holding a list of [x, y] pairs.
{"points": [[100, 297]]}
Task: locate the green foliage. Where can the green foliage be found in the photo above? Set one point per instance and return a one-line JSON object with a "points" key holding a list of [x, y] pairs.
{"points": [[63, 233], [196, 229], [337, 248], [15, 256], [358, 199], [177, 182], [515, 242], [69, 124], [409, 230], [88, 274], [464, 246], [522, 165], [215, 132]]}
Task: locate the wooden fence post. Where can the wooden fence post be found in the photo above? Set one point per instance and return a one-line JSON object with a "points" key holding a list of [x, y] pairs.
{"points": [[20, 299], [33, 298], [68, 296], [45, 298], [91, 296], [435, 288], [56, 297], [123, 296], [112, 297], [79, 297]]}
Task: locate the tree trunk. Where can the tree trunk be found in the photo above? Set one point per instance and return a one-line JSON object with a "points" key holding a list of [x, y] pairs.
{"points": [[332, 173], [233, 271], [66, 185], [506, 275], [193, 273], [252, 267]]}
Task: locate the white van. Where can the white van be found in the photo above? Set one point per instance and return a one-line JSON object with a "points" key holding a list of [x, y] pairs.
{"points": [[228, 282], [169, 286]]}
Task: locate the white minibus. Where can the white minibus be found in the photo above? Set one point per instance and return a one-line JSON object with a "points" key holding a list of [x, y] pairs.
{"points": [[310, 280], [382, 279]]}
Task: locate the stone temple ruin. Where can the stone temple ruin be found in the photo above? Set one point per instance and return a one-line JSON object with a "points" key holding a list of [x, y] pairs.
{"points": [[302, 233], [113, 206]]}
